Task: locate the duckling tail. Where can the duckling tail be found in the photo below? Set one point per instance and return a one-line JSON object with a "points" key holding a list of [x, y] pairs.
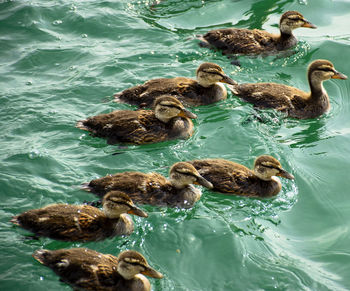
{"points": [[86, 187], [80, 124], [42, 256], [233, 88], [15, 220]]}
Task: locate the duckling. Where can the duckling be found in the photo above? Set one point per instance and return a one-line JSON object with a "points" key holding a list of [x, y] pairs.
{"points": [[294, 102], [169, 120], [85, 269], [154, 188], [232, 178], [82, 222], [233, 41], [205, 90]]}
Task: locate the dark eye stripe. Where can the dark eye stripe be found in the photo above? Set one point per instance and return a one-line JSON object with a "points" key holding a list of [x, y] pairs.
{"points": [[186, 173], [270, 167], [171, 106], [325, 69]]}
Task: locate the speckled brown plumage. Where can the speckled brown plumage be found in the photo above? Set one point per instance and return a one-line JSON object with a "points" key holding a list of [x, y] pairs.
{"points": [[254, 42], [151, 188], [85, 269], [141, 126], [294, 102], [233, 178], [80, 222], [190, 92]]}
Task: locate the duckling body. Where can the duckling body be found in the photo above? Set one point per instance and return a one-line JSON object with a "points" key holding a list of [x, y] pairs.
{"points": [[85, 269], [233, 178], [254, 42], [203, 91], [296, 103], [153, 188], [170, 120], [81, 222]]}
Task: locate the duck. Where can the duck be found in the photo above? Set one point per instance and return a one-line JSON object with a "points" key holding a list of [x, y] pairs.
{"points": [[241, 41], [294, 102], [169, 120], [86, 269], [82, 222], [233, 178], [153, 188], [206, 89]]}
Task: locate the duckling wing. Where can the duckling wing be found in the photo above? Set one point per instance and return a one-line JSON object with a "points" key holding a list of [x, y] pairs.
{"points": [[240, 41], [145, 94], [266, 95]]}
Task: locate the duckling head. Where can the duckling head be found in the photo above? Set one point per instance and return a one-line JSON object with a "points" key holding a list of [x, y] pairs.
{"points": [[131, 263], [168, 107], [209, 74], [182, 174], [265, 167], [321, 70], [116, 203], [293, 19]]}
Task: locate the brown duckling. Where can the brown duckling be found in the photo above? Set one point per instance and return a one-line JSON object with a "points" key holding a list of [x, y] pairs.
{"points": [[85, 269], [205, 90], [169, 120], [154, 188], [232, 178], [294, 102], [82, 222], [253, 42]]}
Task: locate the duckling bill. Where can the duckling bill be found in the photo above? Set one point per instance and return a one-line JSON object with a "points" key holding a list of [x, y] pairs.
{"points": [[207, 89], [240, 41], [294, 102], [233, 178], [82, 222], [153, 188], [169, 120], [85, 269]]}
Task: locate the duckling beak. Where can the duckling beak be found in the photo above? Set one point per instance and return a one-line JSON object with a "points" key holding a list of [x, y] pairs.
{"points": [[226, 79], [308, 24], [185, 113], [205, 183], [283, 173], [338, 75], [137, 211], [152, 273]]}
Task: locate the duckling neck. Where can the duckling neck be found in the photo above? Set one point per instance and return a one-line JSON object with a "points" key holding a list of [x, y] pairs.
{"points": [[205, 83], [162, 118], [111, 214], [286, 38], [318, 94], [177, 184]]}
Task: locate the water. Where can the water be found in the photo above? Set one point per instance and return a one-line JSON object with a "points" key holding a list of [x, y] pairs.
{"points": [[61, 61]]}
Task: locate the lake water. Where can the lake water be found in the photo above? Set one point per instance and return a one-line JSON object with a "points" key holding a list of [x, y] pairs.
{"points": [[61, 61]]}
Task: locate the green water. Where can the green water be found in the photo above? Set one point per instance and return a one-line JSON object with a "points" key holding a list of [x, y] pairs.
{"points": [[61, 61]]}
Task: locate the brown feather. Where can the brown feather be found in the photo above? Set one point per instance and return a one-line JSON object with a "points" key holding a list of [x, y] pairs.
{"points": [[143, 188], [187, 90], [73, 223], [136, 127], [86, 269], [232, 178]]}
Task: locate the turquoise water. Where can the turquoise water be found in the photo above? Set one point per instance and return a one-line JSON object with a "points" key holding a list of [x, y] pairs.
{"points": [[61, 61]]}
